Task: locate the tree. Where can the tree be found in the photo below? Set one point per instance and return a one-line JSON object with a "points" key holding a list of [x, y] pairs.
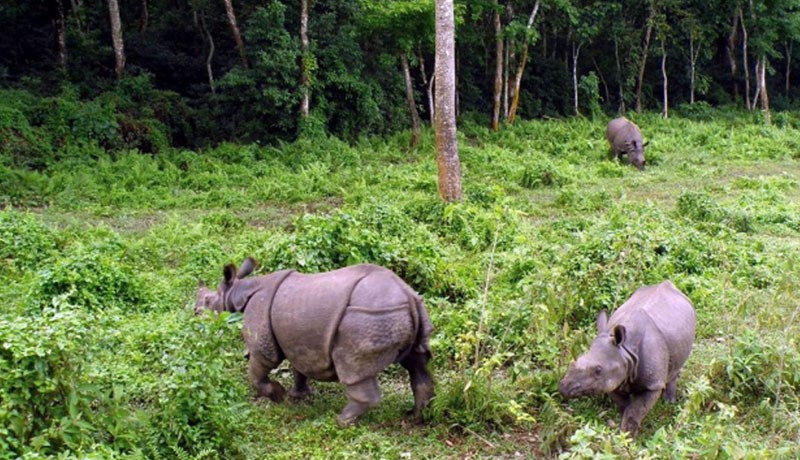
{"points": [[446, 142], [645, 50], [237, 36], [305, 61], [526, 40], [498, 69], [116, 38]]}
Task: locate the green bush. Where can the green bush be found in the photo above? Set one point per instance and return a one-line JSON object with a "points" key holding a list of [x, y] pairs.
{"points": [[25, 243], [92, 277]]}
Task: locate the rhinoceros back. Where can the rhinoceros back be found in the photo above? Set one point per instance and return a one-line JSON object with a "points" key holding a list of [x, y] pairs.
{"points": [[360, 308], [665, 308]]}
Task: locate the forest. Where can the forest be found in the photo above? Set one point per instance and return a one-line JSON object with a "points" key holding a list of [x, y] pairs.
{"points": [[146, 144]]}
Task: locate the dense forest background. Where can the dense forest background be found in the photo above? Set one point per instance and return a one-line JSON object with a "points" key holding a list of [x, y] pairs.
{"points": [[199, 72]]}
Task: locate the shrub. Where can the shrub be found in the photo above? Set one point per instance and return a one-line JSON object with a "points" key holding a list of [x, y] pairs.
{"points": [[24, 241]]}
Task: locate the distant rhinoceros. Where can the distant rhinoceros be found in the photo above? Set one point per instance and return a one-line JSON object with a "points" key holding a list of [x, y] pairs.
{"points": [[638, 353], [624, 137], [347, 325]]}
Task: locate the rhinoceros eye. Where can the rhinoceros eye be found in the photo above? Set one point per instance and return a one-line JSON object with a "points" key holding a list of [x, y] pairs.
{"points": [[598, 370]]}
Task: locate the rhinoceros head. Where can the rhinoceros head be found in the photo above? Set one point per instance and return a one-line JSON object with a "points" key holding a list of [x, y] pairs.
{"points": [[208, 299], [602, 369], [636, 153]]}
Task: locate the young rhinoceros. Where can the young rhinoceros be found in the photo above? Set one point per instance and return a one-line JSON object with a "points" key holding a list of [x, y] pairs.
{"points": [[347, 325], [637, 354], [625, 138]]}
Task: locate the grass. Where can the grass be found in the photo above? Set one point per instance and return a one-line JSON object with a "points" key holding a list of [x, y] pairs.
{"points": [[109, 248]]}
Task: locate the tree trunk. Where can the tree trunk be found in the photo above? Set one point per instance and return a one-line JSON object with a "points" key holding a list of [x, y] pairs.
{"points": [[730, 47], [498, 69], [602, 80], [619, 77], [426, 84], [506, 88], [116, 38], [575, 52], [512, 113], [665, 111], [446, 141], [60, 27], [200, 22], [305, 80], [412, 104], [645, 50], [235, 30], [692, 66], [431, 98], [788, 47], [745, 65], [76, 14], [762, 77], [145, 17]]}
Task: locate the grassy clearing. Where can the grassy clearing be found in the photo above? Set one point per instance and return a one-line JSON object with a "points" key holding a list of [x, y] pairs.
{"points": [[99, 259]]}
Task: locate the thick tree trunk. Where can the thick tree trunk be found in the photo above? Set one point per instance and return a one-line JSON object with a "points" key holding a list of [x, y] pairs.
{"points": [[498, 68], [60, 28], [745, 65], [144, 17], [512, 113], [200, 22], [665, 111], [305, 80], [116, 38], [412, 104], [446, 140], [575, 52], [235, 30], [730, 47], [643, 62], [621, 81]]}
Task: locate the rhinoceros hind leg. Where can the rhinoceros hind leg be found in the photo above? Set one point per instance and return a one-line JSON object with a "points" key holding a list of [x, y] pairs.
{"points": [[671, 391], [259, 374], [361, 396], [300, 390], [421, 382]]}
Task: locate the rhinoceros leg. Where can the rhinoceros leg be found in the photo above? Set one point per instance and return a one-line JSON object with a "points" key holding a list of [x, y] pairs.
{"points": [[622, 401], [421, 382], [671, 391], [300, 389], [259, 370], [361, 396], [639, 407]]}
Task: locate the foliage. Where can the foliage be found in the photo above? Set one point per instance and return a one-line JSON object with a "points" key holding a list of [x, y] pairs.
{"points": [[101, 357]]}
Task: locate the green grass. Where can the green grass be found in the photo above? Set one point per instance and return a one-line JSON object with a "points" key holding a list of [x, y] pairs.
{"points": [[100, 355]]}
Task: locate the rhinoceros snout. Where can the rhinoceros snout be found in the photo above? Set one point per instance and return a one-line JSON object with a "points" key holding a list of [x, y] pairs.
{"points": [[569, 389]]}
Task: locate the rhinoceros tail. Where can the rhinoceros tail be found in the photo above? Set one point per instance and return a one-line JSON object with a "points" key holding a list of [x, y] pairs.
{"points": [[424, 328]]}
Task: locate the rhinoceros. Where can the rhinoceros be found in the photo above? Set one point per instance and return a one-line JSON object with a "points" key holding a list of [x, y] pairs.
{"points": [[347, 325], [638, 353], [624, 137]]}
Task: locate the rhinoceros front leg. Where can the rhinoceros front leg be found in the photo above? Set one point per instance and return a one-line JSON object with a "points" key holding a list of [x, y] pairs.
{"points": [[361, 396], [421, 382], [300, 390], [639, 406], [259, 371]]}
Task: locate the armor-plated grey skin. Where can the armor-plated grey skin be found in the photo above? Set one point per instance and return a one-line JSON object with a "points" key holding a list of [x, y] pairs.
{"points": [[638, 353], [625, 138], [347, 325]]}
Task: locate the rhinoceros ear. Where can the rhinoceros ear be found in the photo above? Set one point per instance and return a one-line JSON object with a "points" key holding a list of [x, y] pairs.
{"points": [[619, 334], [200, 284], [247, 267], [646, 143], [229, 273], [602, 320]]}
